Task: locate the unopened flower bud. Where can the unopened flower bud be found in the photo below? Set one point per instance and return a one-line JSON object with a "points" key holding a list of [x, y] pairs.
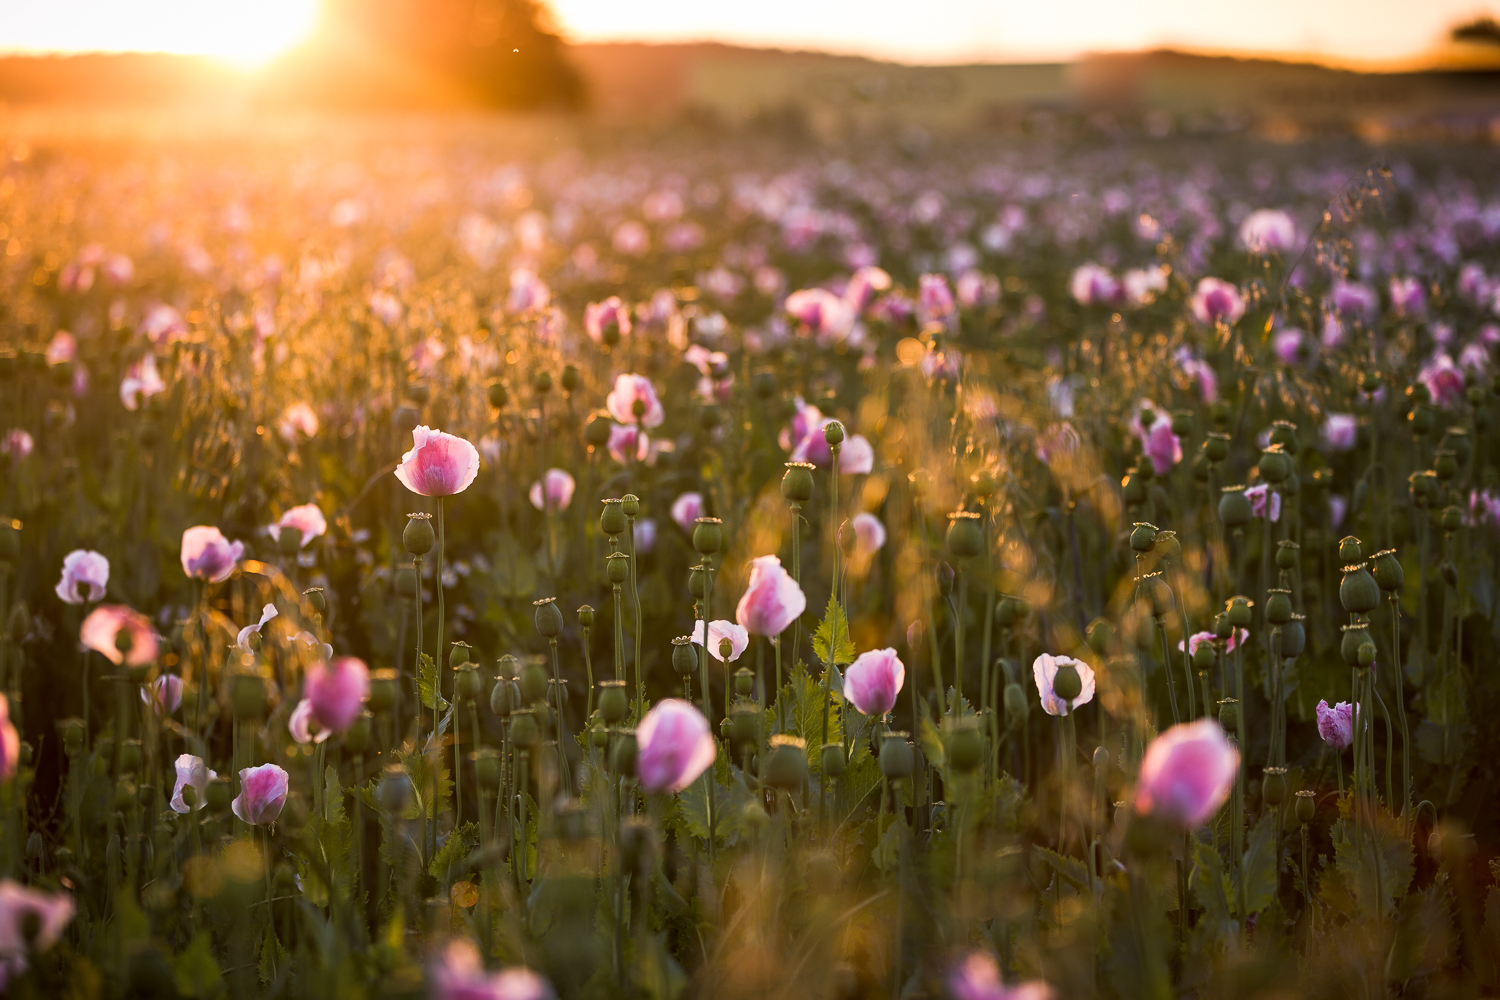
{"points": [[1015, 704], [944, 579]]}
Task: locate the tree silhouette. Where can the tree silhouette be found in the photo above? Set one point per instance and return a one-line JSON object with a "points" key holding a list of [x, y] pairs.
{"points": [[1483, 30]]}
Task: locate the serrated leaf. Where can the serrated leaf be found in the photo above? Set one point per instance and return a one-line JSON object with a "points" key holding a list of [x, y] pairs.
{"points": [[453, 850], [808, 714], [428, 688], [1381, 841], [196, 970], [887, 852], [1071, 870], [931, 742], [1259, 867], [272, 954], [1211, 888], [1424, 936], [832, 642], [431, 783]]}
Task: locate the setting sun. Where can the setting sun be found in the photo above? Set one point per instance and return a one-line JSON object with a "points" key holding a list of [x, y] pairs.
{"points": [[246, 33]]}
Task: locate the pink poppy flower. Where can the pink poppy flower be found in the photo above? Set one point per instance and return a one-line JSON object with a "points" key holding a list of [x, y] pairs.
{"points": [[1444, 380], [1267, 231], [141, 381], [1257, 495], [645, 535], [873, 681], [303, 726], [633, 401], [686, 510], [10, 745], [208, 555], [1217, 301], [17, 444], [1336, 724], [459, 974], [83, 567], [305, 518], [869, 533], [1408, 297], [1044, 670], [772, 600], [1187, 773], [631, 238], [528, 293], [62, 348], [975, 289], [101, 629], [1350, 298], [1093, 284], [243, 639], [628, 443], [337, 691], [934, 299], [553, 492], [1161, 446], [821, 312], [439, 464], [600, 317], [263, 792], [191, 772], [1286, 344], [675, 746], [1340, 431], [298, 422], [1142, 285], [863, 285], [719, 630], [166, 694], [30, 922], [977, 977], [856, 456], [163, 324]]}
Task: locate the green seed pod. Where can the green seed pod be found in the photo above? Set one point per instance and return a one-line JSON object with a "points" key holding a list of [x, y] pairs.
{"points": [[1235, 509], [1287, 552], [1275, 465], [707, 535], [612, 519], [458, 654], [533, 682], [1220, 412], [405, 420], [541, 383], [1143, 537], [1203, 656], [1100, 635], [1278, 606], [1167, 545], [418, 536], [1067, 685], [1216, 446], [467, 682], [617, 567], [797, 482], [1273, 786], [395, 789], [498, 394], [1307, 805], [896, 757], [1222, 629], [1240, 615], [418, 393], [965, 539], [508, 667], [384, 689], [631, 505], [130, 756], [966, 746], [833, 759], [1182, 423], [684, 657], [524, 728], [1007, 611], [596, 430], [744, 727], [1387, 570], [1133, 489], [487, 767], [1421, 420], [1355, 636], [549, 620], [786, 764], [1294, 637], [614, 702], [570, 379], [1358, 591], [1159, 593], [1284, 433], [765, 384], [1229, 714], [744, 680], [586, 616], [1202, 469], [833, 433], [1015, 704], [1452, 519], [504, 698], [1445, 465], [1350, 550]]}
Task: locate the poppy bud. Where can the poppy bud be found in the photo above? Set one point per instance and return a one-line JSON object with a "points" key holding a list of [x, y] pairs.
{"points": [[1235, 509], [1203, 656], [524, 729], [797, 482], [541, 383], [965, 539], [1358, 591], [1143, 536], [418, 536], [833, 760], [833, 433], [707, 535], [631, 505], [1278, 606], [944, 579], [698, 581], [1240, 615], [533, 681], [966, 745], [617, 567], [744, 680], [1355, 636], [1182, 423], [1100, 635], [384, 688], [596, 430], [1216, 446], [1294, 637], [1229, 713], [466, 682], [504, 698], [498, 394], [786, 765], [406, 583], [1015, 704], [1273, 786], [614, 703], [549, 620], [896, 758], [1307, 805]]}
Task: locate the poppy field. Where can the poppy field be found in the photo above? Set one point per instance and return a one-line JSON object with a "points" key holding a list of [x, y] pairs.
{"points": [[438, 562]]}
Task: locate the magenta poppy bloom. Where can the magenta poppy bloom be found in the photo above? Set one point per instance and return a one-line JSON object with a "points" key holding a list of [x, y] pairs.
{"points": [[1340, 431], [166, 694], [1217, 301], [141, 381], [633, 401], [719, 630], [686, 510], [772, 600], [977, 977], [1350, 298], [263, 792], [1197, 639], [863, 285], [628, 443], [438, 465], [528, 293], [17, 444], [303, 727], [934, 299], [821, 312], [337, 690], [873, 681], [1044, 670], [553, 492], [305, 518], [1408, 297], [101, 629], [600, 317], [208, 555], [1187, 773], [856, 456], [298, 422], [10, 744], [1093, 284], [191, 771], [1336, 724], [675, 746], [1257, 496], [1287, 343], [30, 921], [1444, 380], [631, 238], [459, 974], [1267, 231], [83, 568], [869, 533]]}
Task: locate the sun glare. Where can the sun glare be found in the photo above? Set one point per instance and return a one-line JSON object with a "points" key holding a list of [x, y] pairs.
{"points": [[244, 33]]}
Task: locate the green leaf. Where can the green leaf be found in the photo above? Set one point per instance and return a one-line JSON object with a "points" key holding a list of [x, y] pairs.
{"points": [[454, 850], [808, 714], [431, 783], [931, 742], [1381, 857], [887, 853], [428, 688], [831, 642], [1259, 866], [272, 954], [1424, 937], [196, 970], [1071, 870], [1211, 888]]}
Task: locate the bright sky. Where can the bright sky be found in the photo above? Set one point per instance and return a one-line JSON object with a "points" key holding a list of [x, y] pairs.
{"points": [[250, 31]]}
